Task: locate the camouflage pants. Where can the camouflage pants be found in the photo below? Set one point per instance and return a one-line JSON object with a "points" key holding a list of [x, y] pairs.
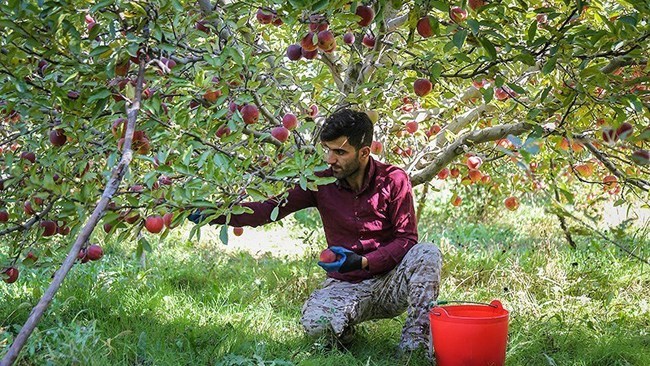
{"points": [[411, 286]]}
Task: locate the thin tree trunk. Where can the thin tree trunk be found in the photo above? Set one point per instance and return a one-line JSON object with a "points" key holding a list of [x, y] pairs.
{"points": [[110, 189]]}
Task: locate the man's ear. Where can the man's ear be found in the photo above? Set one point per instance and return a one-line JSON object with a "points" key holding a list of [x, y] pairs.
{"points": [[365, 151]]}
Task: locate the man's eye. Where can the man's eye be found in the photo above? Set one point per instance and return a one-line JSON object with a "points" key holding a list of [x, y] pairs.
{"points": [[340, 152]]}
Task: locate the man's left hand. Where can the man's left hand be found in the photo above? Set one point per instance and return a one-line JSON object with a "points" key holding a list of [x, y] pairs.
{"points": [[349, 261]]}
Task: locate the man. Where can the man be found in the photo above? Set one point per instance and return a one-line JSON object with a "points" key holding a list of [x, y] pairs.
{"points": [[369, 220]]}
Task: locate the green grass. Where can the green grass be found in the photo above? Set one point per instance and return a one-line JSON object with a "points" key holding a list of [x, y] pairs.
{"points": [[197, 304]]}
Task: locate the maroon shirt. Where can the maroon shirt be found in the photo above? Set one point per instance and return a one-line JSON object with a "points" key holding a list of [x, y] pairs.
{"points": [[377, 222]]}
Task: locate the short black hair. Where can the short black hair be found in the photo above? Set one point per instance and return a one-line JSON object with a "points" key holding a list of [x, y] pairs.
{"points": [[356, 126]]}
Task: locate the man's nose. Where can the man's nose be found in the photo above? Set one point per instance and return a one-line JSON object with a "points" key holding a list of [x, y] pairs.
{"points": [[330, 158]]}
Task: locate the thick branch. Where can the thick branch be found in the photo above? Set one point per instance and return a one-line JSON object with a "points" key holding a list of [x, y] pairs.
{"points": [[465, 141]]}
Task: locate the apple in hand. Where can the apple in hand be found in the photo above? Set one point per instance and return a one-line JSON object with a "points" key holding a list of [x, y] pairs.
{"points": [[327, 256]]}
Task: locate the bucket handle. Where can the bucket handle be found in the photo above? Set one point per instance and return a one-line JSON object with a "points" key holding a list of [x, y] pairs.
{"points": [[435, 303]]}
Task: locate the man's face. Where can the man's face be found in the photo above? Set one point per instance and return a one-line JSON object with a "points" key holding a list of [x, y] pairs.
{"points": [[344, 159]]}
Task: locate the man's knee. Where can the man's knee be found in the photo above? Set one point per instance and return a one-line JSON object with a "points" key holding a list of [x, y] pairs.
{"points": [[316, 325], [425, 253]]}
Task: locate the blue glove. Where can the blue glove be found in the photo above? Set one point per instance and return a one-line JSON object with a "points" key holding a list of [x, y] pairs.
{"points": [[349, 261], [196, 217]]}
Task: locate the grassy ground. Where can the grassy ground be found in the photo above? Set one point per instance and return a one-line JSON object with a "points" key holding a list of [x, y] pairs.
{"points": [[207, 304]]}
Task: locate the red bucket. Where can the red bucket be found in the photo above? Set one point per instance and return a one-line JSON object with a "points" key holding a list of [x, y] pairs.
{"points": [[469, 335]]}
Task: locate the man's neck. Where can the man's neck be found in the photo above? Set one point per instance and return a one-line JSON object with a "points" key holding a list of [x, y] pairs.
{"points": [[356, 181]]}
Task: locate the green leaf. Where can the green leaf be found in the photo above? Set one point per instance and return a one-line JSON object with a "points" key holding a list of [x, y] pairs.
{"points": [[488, 47], [549, 66], [223, 234], [99, 50], [459, 38], [532, 31], [275, 213], [102, 94]]}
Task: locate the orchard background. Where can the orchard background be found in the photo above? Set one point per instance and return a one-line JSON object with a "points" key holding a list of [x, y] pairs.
{"points": [[119, 119]]}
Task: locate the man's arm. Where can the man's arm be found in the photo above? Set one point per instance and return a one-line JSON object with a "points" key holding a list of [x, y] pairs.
{"points": [[296, 200], [401, 211]]}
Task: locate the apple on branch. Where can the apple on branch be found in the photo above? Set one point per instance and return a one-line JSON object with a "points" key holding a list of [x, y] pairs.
{"points": [[422, 87], [280, 133], [366, 13], [376, 147], [290, 121]]}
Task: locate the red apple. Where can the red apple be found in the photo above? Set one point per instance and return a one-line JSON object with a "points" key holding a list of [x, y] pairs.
{"points": [[511, 203], [326, 40], [307, 42], [63, 229], [641, 157], [624, 130], [4, 216], [29, 156], [610, 181], [411, 127], [49, 227], [250, 114], [223, 131], [348, 38], [280, 133], [433, 130], [366, 13], [501, 94], [238, 231], [12, 274], [57, 137], [476, 4], [132, 218], [422, 87], [376, 147], [443, 174], [200, 25], [107, 228], [586, 170], [294, 52], [154, 224], [454, 172], [211, 96], [327, 256], [167, 219], [289, 121], [474, 162], [31, 256], [122, 68], [27, 207], [94, 252], [368, 41], [475, 175], [424, 27], [309, 55], [313, 111], [457, 14], [264, 16], [456, 200], [609, 135]]}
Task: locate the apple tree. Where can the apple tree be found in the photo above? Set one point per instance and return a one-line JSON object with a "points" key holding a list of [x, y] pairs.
{"points": [[130, 115]]}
